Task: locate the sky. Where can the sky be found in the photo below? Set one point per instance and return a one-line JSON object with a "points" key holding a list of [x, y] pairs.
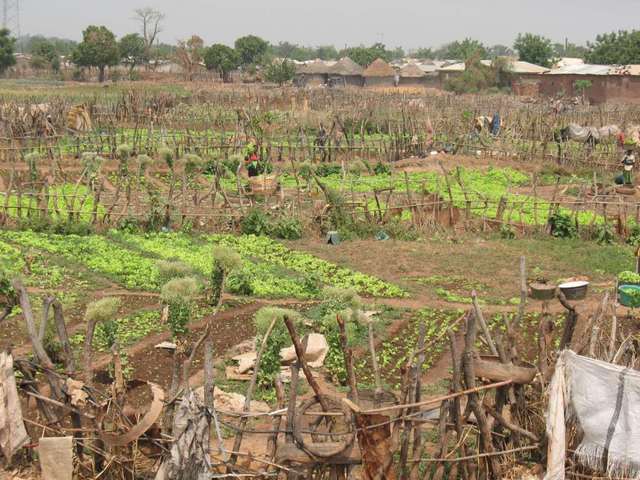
{"points": [[405, 23]]}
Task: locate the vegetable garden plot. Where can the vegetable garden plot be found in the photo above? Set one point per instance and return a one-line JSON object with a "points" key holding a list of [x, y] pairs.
{"points": [[269, 269]]}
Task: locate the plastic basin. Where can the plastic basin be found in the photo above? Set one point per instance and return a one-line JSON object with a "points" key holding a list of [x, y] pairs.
{"points": [[626, 298]]}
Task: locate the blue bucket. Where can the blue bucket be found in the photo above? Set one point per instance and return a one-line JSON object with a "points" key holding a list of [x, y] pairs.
{"points": [[626, 299]]}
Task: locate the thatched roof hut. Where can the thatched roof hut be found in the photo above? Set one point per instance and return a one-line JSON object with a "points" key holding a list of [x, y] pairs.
{"points": [[412, 74], [379, 73], [346, 72], [312, 73]]}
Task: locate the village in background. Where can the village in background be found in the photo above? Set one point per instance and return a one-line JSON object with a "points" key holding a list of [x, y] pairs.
{"points": [[605, 70]]}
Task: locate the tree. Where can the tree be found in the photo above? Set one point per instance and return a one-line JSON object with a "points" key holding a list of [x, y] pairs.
{"points": [[326, 52], [150, 21], [462, 50], [534, 49], [221, 58], [7, 45], [499, 51], [364, 56], [44, 55], [615, 48], [133, 50], [251, 49], [189, 54], [424, 53], [280, 72], [97, 49], [569, 50]]}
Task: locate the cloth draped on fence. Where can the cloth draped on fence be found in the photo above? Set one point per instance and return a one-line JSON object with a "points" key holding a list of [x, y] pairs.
{"points": [[604, 401]]}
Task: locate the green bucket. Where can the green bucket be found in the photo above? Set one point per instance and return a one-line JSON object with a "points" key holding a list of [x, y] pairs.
{"points": [[629, 295]]}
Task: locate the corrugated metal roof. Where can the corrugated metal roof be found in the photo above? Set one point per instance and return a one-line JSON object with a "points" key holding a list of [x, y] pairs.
{"points": [[516, 66], [585, 69]]}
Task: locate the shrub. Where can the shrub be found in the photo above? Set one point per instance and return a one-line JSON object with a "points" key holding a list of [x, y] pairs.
{"points": [[604, 234], [382, 169], [102, 310], [278, 339], [225, 260], [179, 295], [326, 169], [562, 226], [255, 223], [507, 232], [634, 236], [168, 270], [287, 228], [239, 282], [166, 154]]}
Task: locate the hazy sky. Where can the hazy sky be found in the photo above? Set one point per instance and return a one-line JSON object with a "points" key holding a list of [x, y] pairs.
{"points": [[406, 23]]}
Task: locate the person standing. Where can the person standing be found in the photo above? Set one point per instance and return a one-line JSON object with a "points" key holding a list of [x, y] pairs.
{"points": [[628, 162]]}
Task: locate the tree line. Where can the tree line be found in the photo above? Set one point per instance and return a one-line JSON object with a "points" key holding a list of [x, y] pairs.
{"points": [[100, 49]]}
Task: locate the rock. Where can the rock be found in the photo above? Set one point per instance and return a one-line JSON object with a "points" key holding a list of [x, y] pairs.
{"points": [[317, 348], [242, 347], [232, 402], [246, 361], [166, 345]]}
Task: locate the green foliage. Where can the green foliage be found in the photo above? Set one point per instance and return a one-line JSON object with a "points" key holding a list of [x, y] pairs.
{"points": [[615, 48], [534, 49], [44, 54], [301, 53], [582, 85], [179, 294], [424, 53], [255, 222], [365, 56], [221, 58], [166, 154], [287, 228], [463, 50], [562, 225], [507, 232], [634, 236], [97, 49], [168, 270], [629, 278], [326, 169], [382, 169], [225, 261], [102, 310], [133, 50], [604, 234], [477, 76], [251, 49], [7, 46], [569, 50], [280, 72], [278, 339], [182, 289]]}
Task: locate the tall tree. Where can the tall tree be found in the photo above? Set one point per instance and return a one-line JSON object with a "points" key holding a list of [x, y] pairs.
{"points": [[132, 50], [615, 48], [251, 49], [189, 54], [44, 54], [150, 21], [462, 50], [569, 49], [424, 53], [534, 49], [280, 72], [97, 49], [221, 58], [7, 47], [364, 56]]}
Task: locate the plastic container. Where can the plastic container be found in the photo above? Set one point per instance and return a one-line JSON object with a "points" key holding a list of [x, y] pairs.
{"points": [[542, 291], [576, 290], [627, 300]]}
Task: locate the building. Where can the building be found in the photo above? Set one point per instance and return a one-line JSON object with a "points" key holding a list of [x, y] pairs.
{"points": [[346, 72], [313, 73], [412, 75], [598, 83], [379, 74]]}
